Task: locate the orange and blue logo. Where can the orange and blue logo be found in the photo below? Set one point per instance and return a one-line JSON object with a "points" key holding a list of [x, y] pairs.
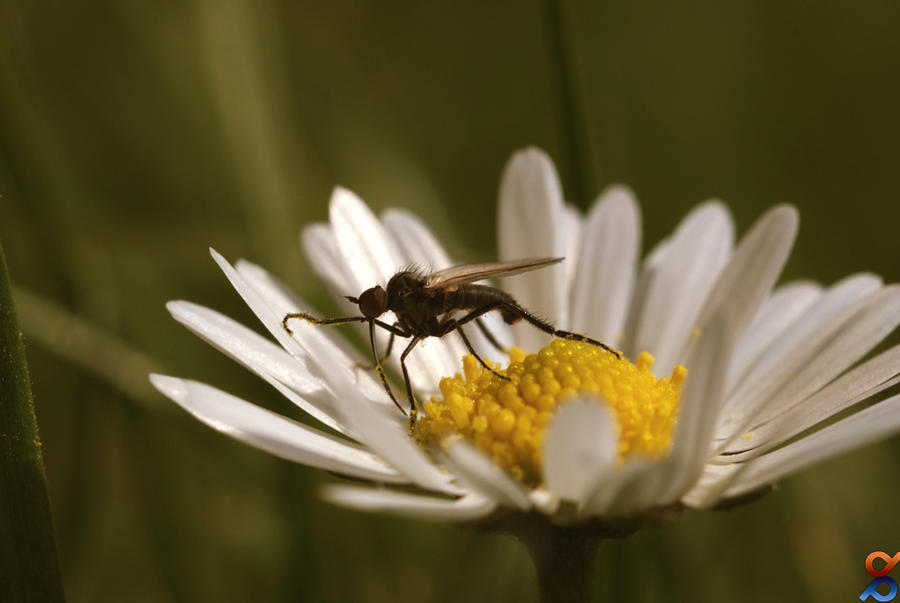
{"points": [[880, 577]]}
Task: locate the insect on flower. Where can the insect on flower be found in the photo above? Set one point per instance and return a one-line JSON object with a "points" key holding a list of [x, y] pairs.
{"points": [[428, 305]]}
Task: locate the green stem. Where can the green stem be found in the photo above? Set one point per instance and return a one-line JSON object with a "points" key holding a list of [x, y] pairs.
{"points": [[29, 570], [563, 556], [564, 562], [569, 107]]}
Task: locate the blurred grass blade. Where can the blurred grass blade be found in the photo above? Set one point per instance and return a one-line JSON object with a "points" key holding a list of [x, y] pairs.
{"points": [[89, 347], [29, 570], [571, 117]]}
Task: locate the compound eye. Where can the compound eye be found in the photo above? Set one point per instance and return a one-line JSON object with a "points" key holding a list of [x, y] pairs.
{"points": [[373, 302]]}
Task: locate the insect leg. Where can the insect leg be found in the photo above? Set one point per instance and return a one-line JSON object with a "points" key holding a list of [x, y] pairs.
{"points": [[455, 326], [380, 370], [479, 312], [394, 328], [551, 330], [488, 335], [390, 346], [413, 411], [318, 321], [387, 352]]}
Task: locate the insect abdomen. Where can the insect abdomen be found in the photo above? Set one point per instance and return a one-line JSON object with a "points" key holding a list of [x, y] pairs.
{"points": [[473, 297]]}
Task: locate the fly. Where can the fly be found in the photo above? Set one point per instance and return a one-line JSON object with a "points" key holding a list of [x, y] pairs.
{"points": [[428, 305]]}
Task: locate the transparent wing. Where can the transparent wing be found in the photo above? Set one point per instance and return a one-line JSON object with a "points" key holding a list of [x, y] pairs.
{"points": [[469, 273]]}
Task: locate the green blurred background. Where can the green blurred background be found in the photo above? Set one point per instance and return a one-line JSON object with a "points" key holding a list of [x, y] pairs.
{"points": [[135, 134]]}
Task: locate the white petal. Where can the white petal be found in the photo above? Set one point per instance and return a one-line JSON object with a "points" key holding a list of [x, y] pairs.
{"points": [[696, 254], [874, 321], [273, 433], [544, 501], [325, 258], [647, 274], [792, 348], [415, 241], [370, 256], [822, 356], [580, 450], [870, 425], [783, 308], [617, 494], [607, 265], [700, 401], [467, 508], [245, 346], [384, 436], [574, 232], [261, 356], [259, 305], [480, 474], [864, 381], [283, 301], [754, 268], [336, 362], [712, 485], [381, 429], [531, 224]]}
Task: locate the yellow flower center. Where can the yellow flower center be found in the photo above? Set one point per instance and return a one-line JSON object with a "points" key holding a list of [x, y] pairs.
{"points": [[508, 419]]}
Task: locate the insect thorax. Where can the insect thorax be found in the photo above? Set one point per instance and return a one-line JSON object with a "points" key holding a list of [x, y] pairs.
{"points": [[403, 285]]}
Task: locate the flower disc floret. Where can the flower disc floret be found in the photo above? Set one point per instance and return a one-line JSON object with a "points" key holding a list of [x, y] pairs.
{"points": [[507, 419]]}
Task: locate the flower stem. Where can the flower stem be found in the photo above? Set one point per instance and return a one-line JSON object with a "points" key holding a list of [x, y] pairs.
{"points": [[564, 560], [28, 561], [563, 556]]}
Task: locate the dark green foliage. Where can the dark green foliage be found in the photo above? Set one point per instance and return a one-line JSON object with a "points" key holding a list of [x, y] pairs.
{"points": [[28, 567]]}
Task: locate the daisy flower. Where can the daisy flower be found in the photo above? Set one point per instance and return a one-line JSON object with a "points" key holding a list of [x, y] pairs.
{"points": [[725, 384]]}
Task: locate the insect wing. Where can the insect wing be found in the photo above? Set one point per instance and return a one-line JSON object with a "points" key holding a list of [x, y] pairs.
{"points": [[469, 273]]}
